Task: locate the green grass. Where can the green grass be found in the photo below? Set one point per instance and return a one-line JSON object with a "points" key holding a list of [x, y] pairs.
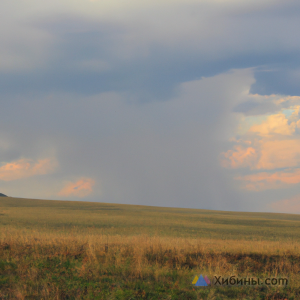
{"points": [[83, 250]]}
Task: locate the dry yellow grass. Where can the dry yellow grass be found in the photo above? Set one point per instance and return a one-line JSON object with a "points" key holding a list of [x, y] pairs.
{"points": [[43, 259], [213, 256], [144, 241]]}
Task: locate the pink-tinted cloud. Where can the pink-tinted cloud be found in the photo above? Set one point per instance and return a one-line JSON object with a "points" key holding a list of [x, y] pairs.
{"points": [[279, 154], [239, 157], [275, 124], [80, 188], [274, 142], [268, 142], [24, 168], [264, 155], [264, 180], [291, 205]]}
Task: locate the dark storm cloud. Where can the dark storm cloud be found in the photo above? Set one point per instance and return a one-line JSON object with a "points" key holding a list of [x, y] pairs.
{"points": [[151, 69], [142, 102], [282, 79], [161, 153]]}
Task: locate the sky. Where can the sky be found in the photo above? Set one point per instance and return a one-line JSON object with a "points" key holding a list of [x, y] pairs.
{"points": [[178, 103]]}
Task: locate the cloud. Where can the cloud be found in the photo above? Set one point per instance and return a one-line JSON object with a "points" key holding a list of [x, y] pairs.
{"points": [[279, 154], [264, 154], [239, 157], [140, 96], [268, 141], [281, 79], [274, 137], [291, 205], [80, 188], [156, 153], [264, 180], [24, 168], [256, 104], [144, 48], [275, 124]]}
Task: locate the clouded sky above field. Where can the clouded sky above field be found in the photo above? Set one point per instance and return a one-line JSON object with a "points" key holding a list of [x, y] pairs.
{"points": [[174, 103]]}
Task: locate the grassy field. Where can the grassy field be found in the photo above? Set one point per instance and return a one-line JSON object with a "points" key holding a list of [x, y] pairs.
{"points": [[83, 250]]}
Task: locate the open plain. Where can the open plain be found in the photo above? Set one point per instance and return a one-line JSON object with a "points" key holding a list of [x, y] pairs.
{"points": [[87, 250]]}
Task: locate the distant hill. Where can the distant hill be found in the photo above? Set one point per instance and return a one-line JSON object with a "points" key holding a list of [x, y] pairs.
{"points": [[129, 220], [2, 195]]}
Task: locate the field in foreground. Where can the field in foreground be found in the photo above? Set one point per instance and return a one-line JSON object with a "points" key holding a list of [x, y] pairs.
{"points": [[81, 250]]}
